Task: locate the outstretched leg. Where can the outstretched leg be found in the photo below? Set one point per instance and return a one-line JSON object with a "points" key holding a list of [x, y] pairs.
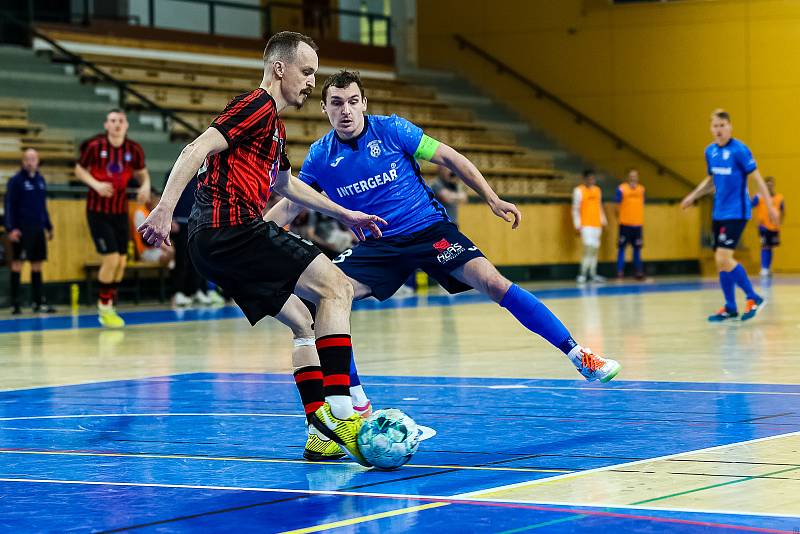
{"points": [[535, 316]]}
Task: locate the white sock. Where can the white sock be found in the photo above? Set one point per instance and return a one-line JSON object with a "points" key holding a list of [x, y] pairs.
{"points": [[341, 406], [593, 261], [358, 395]]}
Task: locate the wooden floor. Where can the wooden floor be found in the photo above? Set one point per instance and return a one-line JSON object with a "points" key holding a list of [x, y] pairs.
{"points": [[737, 455]]}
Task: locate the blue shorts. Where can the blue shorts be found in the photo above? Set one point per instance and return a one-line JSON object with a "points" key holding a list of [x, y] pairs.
{"points": [[630, 235], [385, 264], [769, 238], [727, 233]]}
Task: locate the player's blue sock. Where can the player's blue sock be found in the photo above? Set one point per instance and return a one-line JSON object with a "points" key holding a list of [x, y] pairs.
{"points": [[621, 259], [637, 259], [357, 393], [742, 280], [726, 280], [766, 258], [535, 316], [354, 380]]}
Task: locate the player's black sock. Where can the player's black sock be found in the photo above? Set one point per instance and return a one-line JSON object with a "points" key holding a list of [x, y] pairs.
{"points": [[334, 356], [36, 286], [15, 288], [309, 384]]}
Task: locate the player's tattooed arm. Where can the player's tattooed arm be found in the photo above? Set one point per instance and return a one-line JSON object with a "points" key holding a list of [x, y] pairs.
{"points": [[470, 175], [155, 229], [705, 187]]}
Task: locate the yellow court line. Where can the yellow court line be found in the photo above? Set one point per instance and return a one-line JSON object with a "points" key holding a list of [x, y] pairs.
{"points": [[272, 460], [476, 495], [364, 519]]}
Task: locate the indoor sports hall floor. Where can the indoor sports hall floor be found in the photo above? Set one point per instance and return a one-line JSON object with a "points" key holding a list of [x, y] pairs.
{"points": [[190, 420]]}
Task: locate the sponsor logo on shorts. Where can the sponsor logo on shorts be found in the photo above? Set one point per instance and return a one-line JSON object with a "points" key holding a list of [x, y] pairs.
{"points": [[723, 237], [447, 251], [441, 245]]}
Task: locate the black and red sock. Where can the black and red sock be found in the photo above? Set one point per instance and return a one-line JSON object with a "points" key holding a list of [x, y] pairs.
{"points": [[309, 384], [334, 357], [105, 294]]}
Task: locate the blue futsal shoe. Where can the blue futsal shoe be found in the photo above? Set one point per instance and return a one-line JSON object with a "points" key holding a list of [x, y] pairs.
{"points": [[752, 307], [722, 315]]}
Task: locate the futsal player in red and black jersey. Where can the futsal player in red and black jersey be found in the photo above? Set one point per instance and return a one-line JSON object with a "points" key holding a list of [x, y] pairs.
{"points": [[107, 163], [241, 158]]}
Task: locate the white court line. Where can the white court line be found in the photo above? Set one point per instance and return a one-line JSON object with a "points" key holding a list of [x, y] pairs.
{"points": [[620, 466], [90, 415], [99, 381], [455, 499], [525, 386]]}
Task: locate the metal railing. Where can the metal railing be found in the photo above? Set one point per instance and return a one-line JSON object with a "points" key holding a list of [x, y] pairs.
{"points": [[123, 87], [322, 15], [579, 117]]}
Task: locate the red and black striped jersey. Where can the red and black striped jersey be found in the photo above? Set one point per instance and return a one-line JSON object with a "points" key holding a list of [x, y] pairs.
{"points": [[234, 185], [111, 164]]}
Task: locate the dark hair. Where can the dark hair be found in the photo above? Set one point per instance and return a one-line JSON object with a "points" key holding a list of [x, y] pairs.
{"points": [[115, 110], [283, 46], [588, 172], [342, 79], [721, 114]]}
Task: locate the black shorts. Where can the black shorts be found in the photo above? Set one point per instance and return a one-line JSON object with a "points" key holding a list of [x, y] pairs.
{"points": [[630, 235], [769, 238], [110, 232], [727, 233], [385, 264], [32, 245], [257, 264]]}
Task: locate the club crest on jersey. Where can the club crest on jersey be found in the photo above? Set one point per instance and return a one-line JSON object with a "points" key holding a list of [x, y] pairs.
{"points": [[374, 148], [103, 153], [128, 157], [726, 154]]}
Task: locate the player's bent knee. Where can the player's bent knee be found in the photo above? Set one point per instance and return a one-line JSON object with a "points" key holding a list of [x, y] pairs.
{"points": [[497, 287]]}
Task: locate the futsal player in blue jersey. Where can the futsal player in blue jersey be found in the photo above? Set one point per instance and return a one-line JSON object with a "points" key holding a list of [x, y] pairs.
{"points": [[729, 163], [370, 161]]}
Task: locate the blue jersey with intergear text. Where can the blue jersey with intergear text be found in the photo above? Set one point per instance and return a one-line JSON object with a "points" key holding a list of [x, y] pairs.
{"points": [[375, 172], [729, 166]]}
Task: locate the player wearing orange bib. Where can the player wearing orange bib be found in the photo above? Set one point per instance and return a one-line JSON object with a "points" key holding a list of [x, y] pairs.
{"points": [[770, 232], [589, 220], [630, 209]]}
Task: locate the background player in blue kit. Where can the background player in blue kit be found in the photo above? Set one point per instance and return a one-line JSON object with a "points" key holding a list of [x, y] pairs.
{"points": [[370, 161], [729, 163]]}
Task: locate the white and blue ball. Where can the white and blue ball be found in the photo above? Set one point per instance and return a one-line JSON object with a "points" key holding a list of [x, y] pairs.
{"points": [[388, 438]]}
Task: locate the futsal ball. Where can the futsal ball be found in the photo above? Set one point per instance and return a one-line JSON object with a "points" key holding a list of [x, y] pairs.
{"points": [[388, 438]]}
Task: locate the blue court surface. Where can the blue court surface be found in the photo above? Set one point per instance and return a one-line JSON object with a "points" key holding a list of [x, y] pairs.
{"points": [[222, 452]]}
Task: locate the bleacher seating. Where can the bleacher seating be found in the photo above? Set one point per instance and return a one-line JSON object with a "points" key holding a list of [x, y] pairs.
{"points": [[18, 133], [196, 91]]}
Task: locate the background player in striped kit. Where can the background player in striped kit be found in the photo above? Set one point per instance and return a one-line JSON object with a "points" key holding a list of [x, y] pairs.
{"points": [[107, 163], [729, 163], [769, 231]]}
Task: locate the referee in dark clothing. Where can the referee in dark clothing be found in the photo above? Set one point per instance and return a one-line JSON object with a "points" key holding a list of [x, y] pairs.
{"points": [[29, 229]]}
